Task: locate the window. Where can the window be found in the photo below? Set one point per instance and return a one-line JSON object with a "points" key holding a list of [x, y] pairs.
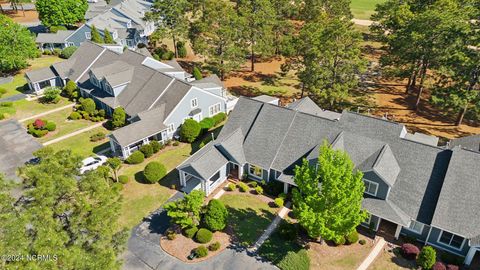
{"points": [[416, 226], [255, 171], [44, 84], [88, 35], [368, 220], [171, 128], [214, 109], [451, 239], [194, 102], [129, 43], [370, 187], [70, 44]]}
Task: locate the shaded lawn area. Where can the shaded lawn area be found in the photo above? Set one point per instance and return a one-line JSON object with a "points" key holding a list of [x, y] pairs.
{"points": [[64, 126], [275, 248], [388, 260], [248, 216], [27, 108], [18, 85], [81, 144], [363, 9], [140, 199]]}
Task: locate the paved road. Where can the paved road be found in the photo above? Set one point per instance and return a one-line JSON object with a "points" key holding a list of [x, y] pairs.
{"points": [[14, 98], [4, 80], [144, 251]]}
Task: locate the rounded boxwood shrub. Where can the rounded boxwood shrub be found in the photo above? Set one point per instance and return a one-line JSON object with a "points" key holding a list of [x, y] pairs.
{"points": [[190, 232], [259, 190], [207, 123], [231, 186], [410, 251], [136, 157], [201, 251], [439, 266], [215, 217], [242, 186], [50, 126], [74, 116], [155, 146], [295, 261], [362, 242], [204, 236], [351, 238], [123, 179], [427, 257], [253, 184], [278, 202], [2, 91], [189, 130], [147, 150], [214, 246], [340, 241], [154, 171]]}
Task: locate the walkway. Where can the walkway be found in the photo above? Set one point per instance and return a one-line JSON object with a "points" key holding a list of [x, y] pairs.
{"points": [[13, 98], [144, 251], [73, 133], [362, 22], [271, 228], [373, 254], [47, 112]]}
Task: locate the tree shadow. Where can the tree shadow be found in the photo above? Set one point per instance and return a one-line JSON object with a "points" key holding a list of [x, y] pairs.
{"points": [[170, 179], [205, 138], [246, 225], [400, 261]]}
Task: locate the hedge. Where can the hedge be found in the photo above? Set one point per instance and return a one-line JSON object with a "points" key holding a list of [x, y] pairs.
{"points": [[203, 236], [67, 52], [123, 179], [147, 150], [189, 130], [154, 171], [207, 123], [219, 117], [201, 251], [136, 157], [156, 146]]}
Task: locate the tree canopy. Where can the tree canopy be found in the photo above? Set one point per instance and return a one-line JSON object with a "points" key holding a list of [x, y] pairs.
{"points": [[333, 210], [61, 12], [17, 45], [186, 212]]}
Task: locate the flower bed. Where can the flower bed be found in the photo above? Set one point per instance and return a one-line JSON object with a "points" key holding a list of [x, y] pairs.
{"points": [[40, 127]]}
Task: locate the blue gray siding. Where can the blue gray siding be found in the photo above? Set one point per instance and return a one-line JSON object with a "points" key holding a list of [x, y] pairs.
{"points": [[382, 191], [420, 237], [433, 239], [79, 36]]}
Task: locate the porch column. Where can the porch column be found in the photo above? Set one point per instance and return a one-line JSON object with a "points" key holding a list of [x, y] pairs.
{"points": [[125, 152], [397, 232], [470, 255], [146, 141], [240, 172], [112, 146], [182, 178], [285, 188], [378, 223]]}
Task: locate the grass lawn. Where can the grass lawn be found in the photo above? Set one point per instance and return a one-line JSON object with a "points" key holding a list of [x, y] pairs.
{"points": [[388, 260], [18, 83], [141, 199], [64, 126], [248, 216], [81, 144], [363, 9], [275, 248], [27, 108]]}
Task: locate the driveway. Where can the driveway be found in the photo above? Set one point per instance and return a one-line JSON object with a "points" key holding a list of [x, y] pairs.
{"points": [[144, 251], [16, 147]]}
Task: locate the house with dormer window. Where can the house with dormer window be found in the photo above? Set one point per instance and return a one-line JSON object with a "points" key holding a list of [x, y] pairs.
{"points": [[412, 186]]}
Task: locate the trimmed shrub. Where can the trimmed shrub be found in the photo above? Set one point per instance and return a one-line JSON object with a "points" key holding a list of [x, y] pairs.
{"points": [[181, 49], [2, 91], [70, 89], [39, 132], [118, 117], [439, 266], [259, 190], [243, 187], [154, 171], [201, 251], [231, 186], [340, 241], [410, 251], [295, 261], [252, 184], [50, 126], [203, 236], [189, 130], [190, 232], [47, 52], [170, 234], [6, 104], [147, 150], [215, 217], [57, 51], [214, 246], [207, 123], [136, 157], [452, 267], [155, 146], [88, 105], [283, 196], [39, 123], [219, 117], [123, 179], [197, 73], [67, 52], [278, 202], [427, 257], [351, 238], [362, 242], [51, 95], [97, 137], [74, 116]]}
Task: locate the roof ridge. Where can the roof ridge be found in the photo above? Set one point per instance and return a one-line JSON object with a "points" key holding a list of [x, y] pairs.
{"points": [[283, 139], [380, 155], [373, 117]]}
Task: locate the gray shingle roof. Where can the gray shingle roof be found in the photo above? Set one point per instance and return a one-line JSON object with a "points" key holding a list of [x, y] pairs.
{"points": [[39, 75], [458, 207], [266, 98], [307, 105], [205, 162], [59, 37], [116, 73], [386, 210], [471, 142], [233, 145]]}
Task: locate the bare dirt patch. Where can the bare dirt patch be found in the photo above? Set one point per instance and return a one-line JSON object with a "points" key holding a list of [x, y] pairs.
{"points": [[28, 16]]}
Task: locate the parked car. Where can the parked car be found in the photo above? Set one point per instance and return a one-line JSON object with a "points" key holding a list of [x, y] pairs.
{"points": [[91, 163]]}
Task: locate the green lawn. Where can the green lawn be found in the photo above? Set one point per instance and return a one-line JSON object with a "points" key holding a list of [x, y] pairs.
{"points": [[18, 83], [27, 108], [275, 248], [248, 216], [363, 9], [64, 126], [81, 144], [140, 199]]}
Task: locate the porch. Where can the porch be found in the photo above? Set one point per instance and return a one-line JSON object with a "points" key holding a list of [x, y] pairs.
{"points": [[126, 150]]}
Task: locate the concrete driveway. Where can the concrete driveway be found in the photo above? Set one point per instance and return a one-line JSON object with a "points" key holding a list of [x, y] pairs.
{"points": [[16, 147], [144, 251]]}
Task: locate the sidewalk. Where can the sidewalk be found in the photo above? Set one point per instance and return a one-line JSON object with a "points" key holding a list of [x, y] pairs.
{"points": [[373, 254], [45, 113], [73, 133]]}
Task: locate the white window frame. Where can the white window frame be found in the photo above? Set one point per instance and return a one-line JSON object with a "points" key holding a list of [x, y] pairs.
{"points": [[412, 227], [212, 110], [70, 44], [250, 166], [194, 103], [88, 35], [451, 239], [365, 181], [171, 128], [369, 220]]}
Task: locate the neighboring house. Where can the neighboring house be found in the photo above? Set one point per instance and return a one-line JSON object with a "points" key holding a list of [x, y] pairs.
{"points": [[469, 142], [96, 7], [411, 187], [59, 40]]}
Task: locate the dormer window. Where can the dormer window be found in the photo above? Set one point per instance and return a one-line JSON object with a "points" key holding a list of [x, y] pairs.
{"points": [[194, 102], [371, 188]]}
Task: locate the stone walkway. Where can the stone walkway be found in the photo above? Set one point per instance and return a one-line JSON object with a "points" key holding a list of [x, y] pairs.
{"points": [[74, 133], [46, 113], [271, 228], [373, 254]]}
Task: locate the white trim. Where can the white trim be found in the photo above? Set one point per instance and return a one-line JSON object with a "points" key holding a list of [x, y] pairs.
{"points": [[88, 35], [366, 189], [219, 104], [159, 96], [171, 128], [414, 231], [445, 249], [89, 66], [449, 245], [194, 103], [253, 175]]}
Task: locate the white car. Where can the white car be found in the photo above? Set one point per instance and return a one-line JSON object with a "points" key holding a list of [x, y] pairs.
{"points": [[92, 163]]}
